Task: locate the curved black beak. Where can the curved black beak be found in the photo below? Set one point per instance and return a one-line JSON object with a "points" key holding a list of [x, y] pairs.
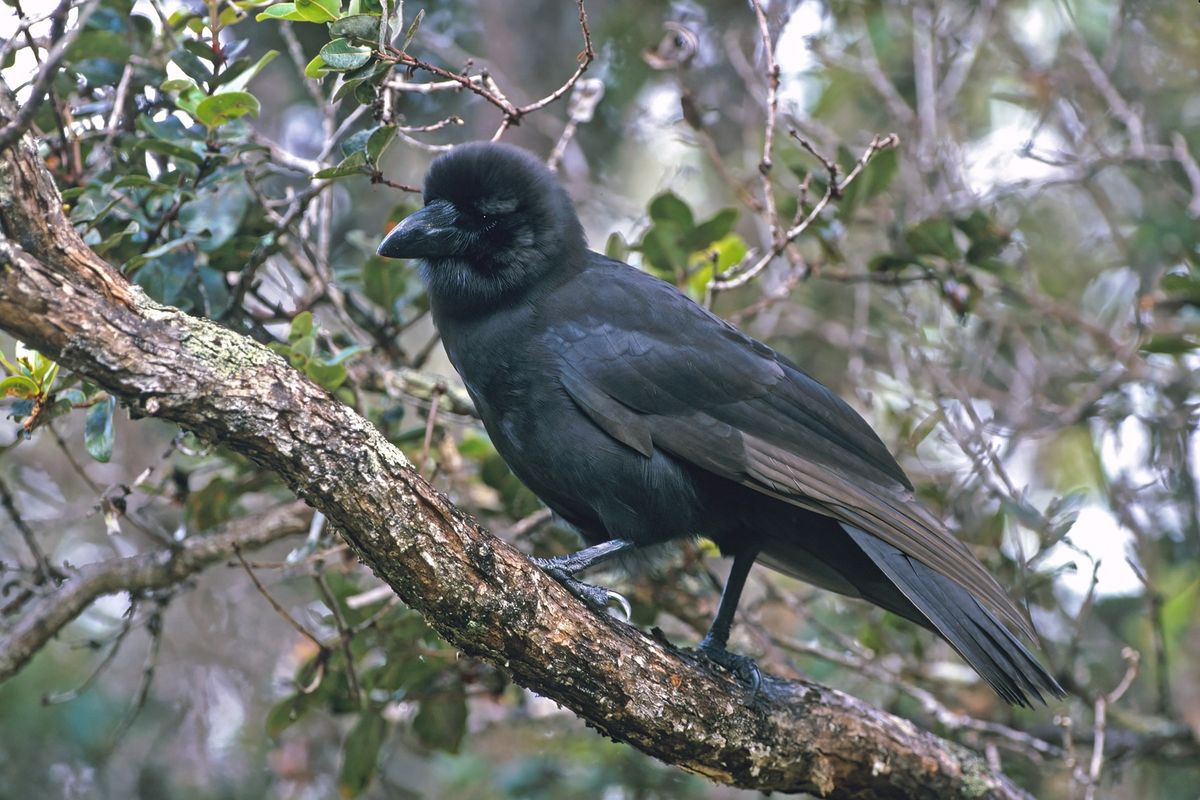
{"points": [[428, 233]]}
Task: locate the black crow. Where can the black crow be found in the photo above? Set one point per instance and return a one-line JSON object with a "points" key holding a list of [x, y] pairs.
{"points": [[639, 417]]}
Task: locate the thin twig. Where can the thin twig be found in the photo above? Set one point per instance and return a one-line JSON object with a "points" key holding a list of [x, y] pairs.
{"points": [[280, 610], [344, 636], [47, 574], [740, 276], [49, 69]]}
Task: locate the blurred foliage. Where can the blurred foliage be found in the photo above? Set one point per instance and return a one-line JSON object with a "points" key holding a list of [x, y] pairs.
{"points": [[1012, 297]]}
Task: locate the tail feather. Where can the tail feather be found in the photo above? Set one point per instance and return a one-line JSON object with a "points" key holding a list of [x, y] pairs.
{"points": [[983, 642]]}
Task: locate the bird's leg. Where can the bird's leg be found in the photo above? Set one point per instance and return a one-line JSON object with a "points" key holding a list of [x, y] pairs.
{"points": [[713, 643], [564, 569]]}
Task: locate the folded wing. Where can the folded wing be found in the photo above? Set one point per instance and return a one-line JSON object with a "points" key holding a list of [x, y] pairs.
{"points": [[688, 383]]}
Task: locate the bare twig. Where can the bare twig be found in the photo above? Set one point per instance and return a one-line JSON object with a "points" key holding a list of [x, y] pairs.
{"points": [[767, 160], [45, 74], [46, 572], [344, 636], [741, 275]]}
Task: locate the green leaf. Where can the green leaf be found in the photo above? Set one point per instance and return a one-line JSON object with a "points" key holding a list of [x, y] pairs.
{"points": [[104, 44], [282, 11], [347, 353], [353, 164], [284, 713], [669, 207], [356, 26], [356, 141], [193, 67], [987, 238], [319, 10], [18, 386], [1167, 344], [891, 263], [317, 68], [166, 277], [716, 227], [360, 753], [235, 80], [327, 376], [1183, 287], [441, 720], [663, 252], [302, 325], [412, 30], [615, 247], [304, 347], [98, 430], [177, 85], [213, 217], [339, 55], [379, 140], [934, 237], [383, 283], [225, 106]]}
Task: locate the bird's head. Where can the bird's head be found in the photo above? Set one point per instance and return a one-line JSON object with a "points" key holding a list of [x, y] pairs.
{"points": [[495, 221]]}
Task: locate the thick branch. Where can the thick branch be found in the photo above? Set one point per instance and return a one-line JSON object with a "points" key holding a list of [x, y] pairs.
{"points": [[482, 595], [155, 570]]}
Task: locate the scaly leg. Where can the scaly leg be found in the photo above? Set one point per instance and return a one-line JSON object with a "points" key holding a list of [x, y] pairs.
{"points": [[564, 569], [714, 642]]}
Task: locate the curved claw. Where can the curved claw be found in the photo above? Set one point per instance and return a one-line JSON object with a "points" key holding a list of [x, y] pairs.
{"points": [[597, 597], [624, 606], [742, 667]]}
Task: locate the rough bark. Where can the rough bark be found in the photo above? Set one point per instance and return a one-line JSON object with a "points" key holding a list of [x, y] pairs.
{"points": [[478, 592]]}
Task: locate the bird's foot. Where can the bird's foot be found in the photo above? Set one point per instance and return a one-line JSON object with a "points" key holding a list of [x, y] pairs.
{"points": [[597, 597], [742, 667]]}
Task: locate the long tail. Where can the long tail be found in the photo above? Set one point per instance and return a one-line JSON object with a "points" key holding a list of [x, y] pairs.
{"points": [[983, 642]]}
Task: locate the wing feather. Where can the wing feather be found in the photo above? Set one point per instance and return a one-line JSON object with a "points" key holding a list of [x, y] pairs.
{"points": [[694, 386]]}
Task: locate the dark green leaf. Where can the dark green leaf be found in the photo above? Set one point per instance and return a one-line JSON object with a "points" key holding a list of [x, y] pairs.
{"points": [[891, 263], [668, 206], [98, 430], [353, 164], [284, 713], [356, 26], [383, 282], [441, 720], [216, 214], [360, 753], [716, 227], [225, 106], [339, 55], [356, 142], [165, 277], [934, 237], [379, 140], [1170, 345], [193, 67], [412, 29], [108, 45]]}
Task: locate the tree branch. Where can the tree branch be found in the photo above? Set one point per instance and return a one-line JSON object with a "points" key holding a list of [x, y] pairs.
{"points": [[478, 592], [154, 570]]}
